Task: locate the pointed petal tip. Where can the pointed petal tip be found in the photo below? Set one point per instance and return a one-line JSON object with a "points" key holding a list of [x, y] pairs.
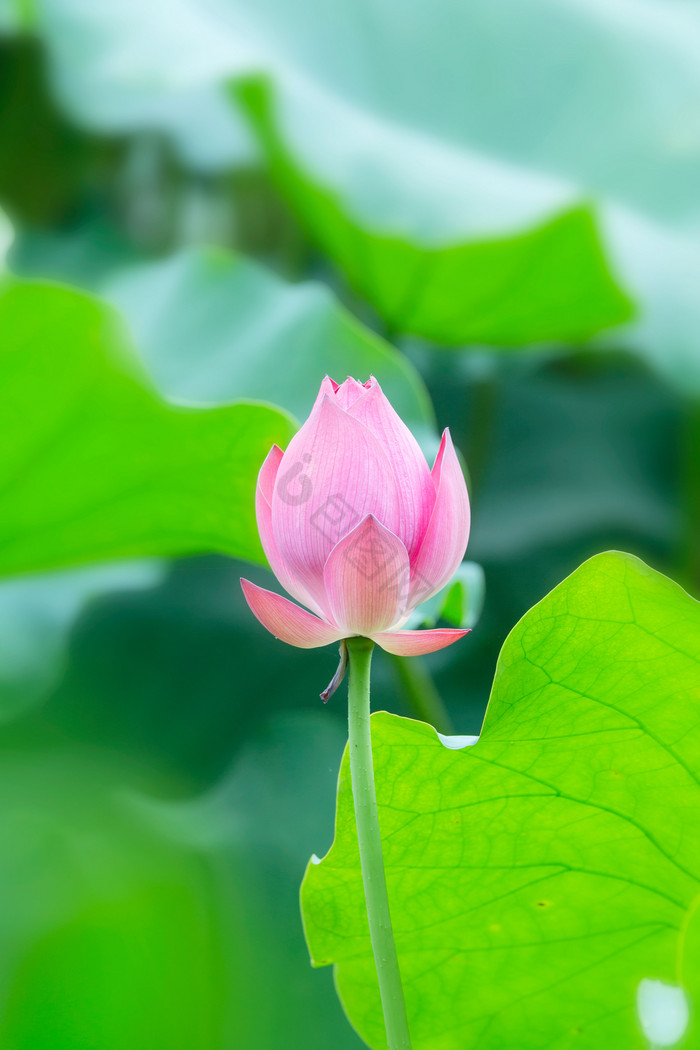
{"points": [[328, 388], [349, 392], [446, 444], [275, 453], [267, 475]]}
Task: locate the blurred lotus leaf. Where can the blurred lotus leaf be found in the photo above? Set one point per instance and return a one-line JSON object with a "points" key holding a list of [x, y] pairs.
{"points": [[576, 453], [538, 275], [211, 328], [492, 126], [36, 615], [211, 325], [100, 466], [130, 920], [108, 931], [254, 835]]}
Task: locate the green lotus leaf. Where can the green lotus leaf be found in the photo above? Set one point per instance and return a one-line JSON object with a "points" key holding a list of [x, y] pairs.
{"points": [[96, 465], [539, 877], [210, 324], [546, 281]]}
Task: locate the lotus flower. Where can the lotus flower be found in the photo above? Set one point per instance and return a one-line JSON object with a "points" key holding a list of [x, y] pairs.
{"points": [[356, 527]]}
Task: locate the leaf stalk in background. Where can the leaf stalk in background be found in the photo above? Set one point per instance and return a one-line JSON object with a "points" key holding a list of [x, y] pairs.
{"points": [[421, 694], [370, 843], [689, 547]]}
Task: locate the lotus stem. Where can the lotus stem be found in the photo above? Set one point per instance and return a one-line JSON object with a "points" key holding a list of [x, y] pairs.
{"points": [[370, 843]]}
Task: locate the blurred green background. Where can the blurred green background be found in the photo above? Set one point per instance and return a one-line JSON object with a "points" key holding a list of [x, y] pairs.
{"points": [[494, 207]]}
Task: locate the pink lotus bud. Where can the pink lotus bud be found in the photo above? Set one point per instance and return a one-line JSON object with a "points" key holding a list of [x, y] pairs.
{"points": [[356, 527]]}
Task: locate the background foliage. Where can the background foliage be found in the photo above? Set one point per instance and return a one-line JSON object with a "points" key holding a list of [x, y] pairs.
{"points": [[493, 207]]}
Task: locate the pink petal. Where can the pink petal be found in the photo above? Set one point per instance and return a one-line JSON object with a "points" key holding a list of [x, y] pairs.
{"points": [[367, 577], [328, 388], [446, 537], [268, 473], [348, 475], [415, 485], [349, 392], [286, 620], [417, 643], [263, 512]]}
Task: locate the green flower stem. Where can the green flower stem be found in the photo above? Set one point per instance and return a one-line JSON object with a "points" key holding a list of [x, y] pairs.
{"points": [[370, 842]]}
